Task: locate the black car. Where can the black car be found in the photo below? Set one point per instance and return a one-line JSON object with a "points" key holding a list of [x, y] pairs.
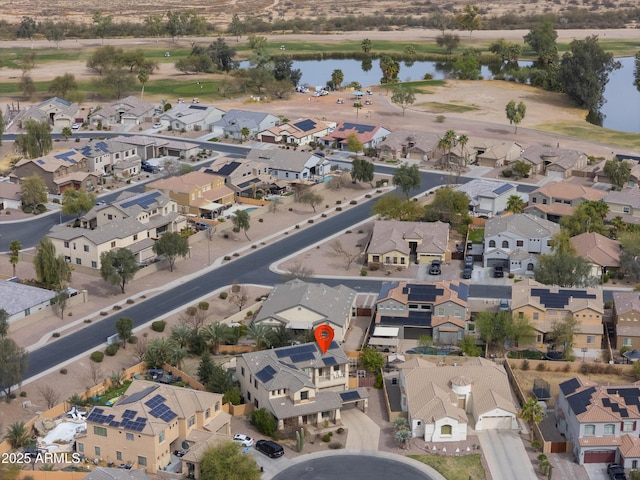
{"points": [[498, 272], [616, 472], [435, 269], [468, 262], [270, 448], [466, 273], [180, 453]]}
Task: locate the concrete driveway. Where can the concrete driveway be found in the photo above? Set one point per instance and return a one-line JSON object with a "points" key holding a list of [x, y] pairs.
{"points": [[364, 433], [505, 455]]}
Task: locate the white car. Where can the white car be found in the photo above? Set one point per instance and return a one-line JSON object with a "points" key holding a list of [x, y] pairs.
{"points": [[157, 125], [75, 126], [243, 440]]}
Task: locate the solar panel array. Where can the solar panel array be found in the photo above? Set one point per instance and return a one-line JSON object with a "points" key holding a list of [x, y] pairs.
{"points": [[159, 409], [248, 183], [581, 400], [357, 127], [266, 374], [569, 386], [503, 188], [226, 169], [197, 107], [422, 292], [66, 156], [416, 318], [135, 397], [100, 148], [40, 161], [386, 288], [329, 361], [144, 201], [298, 354], [462, 290], [305, 125], [128, 422], [559, 299], [350, 395], [615, 407], [631, 396]]}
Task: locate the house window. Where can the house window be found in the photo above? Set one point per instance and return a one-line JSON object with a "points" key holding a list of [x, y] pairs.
{"points": [[535, 315], [256, 403], [304, 395], [142, 461], [192, 420], [609, 429], [402, 260], [217, 406], [440, 311], [505, 244], [492, 243], [255, 383], [519, 243], [626, 210], [66, 244], [78, 261], [130, 437], [113, 244], [248, 395], [549, 243], [534, 200], [626, 342], [375, 258], [74, 245], [118, 455], [207, 413], [544, 201], [86, 248], [446, 430], [242, 371], [94, 264], [529, 267], [395, 260], [80, 447], [589, 430], [109, 217], [100, 431], [387, 260], [591, 339], [161, 437], [97, 450], [628, 426], [135, 237]]}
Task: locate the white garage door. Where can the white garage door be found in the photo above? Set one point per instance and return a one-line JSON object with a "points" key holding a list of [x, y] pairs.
{"points": [[555, 175], [496, 423]]}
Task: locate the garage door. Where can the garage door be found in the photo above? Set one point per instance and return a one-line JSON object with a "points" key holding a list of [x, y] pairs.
{"points": [[600, 456], [496, 423], [556, 175], [498, 262]]}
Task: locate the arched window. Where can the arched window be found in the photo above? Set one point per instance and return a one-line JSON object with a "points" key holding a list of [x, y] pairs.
{"points": [[492, 244], [446, 430], [505, 244], [530, 267]]}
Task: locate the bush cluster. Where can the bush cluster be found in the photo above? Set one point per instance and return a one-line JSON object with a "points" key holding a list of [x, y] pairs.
{"points": [[158, 326]]}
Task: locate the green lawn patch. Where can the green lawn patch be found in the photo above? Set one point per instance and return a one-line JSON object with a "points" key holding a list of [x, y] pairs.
{"points": [[593, 133], [477, 235], [455, 468], [438, 107]]}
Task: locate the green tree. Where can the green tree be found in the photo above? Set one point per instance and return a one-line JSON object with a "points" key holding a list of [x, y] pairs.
{"points": [[563, 333], [589, 216], [14, 247], [182, 334], [618, 172], [215, 333], [27, 28], [542, 40], [390, 69], [66, 133], [470, 19], [564, 270], [357, 106], [105, 58], [403, 97], [61, 299], [115, 82], [312, 199], [506, 51], [205, 368], [4, 323], [283, 71], [366, 45], [521, 169], [36, 141], [362, 171], [61, 85], [337, 77], [407, 177], [77, 202], [259, 333], [222, 55], [27, 86], [17, 435], [13, 364], [448, 205], [159, 351], [34, 191], [441, 21], [236, 27], [371, 360], [515, 204], [124, 328], [118, 267], [54, 32], [226, 461], [584, 72], [244, 133], [172, 245], [2, 127], [469, 347], [493, 328], [241, 221], [467, 66], [532, 412], [101, 25], [636, 72], [143, 78], [221, 380], [630, 254], [393, 207], [446, 143], [515, 114], [153, 25], [280, 336], [51, 270], [354, 144], [448, 41]]}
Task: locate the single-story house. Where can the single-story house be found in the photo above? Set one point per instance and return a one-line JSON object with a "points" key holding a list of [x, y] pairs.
{"points": [[408, 144], [302, 131], [487, 197], [191, 117], [127, 111], [10, 195], [20, 300], [234, 121]]}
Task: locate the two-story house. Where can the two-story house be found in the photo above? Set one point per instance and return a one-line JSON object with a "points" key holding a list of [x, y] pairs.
{"points": [[408, 144], [59, 170], [400, 244], [130, 110], [601, 421], [196, 193], [292, 165], [625, 204], [369, 135], [149, 422], [437, 309], [234, 122], [302, 131], [111, 156], [544, 306], [555, 200], [299, 385], [247, 178], [301, 306], [487, 197], [626, 318], [515, 242]]}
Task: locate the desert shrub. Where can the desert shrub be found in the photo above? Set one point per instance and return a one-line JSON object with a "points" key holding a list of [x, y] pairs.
{"points": [[223, 295], [310, 220], [335, 446], [130, 301], [525, 365], [117, 307], [63, 371], [507, 173], [605, 278], [158, 326], [97, 357], [326, 437], [566, 368], [363, 272], [132, 340], [338, 209], [112, 349], [584, 369], [541, 367], [353, 202], [379, 381], [55, 334], [23, 394], [261, 220], [338, 202], [340, 430], [264, 422], [227, 257], [440, 118], [27, 209]]}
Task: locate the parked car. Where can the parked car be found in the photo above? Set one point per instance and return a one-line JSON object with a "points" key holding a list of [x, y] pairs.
{"points": [[435, 268], [180, 453], [270, 448], [157, 125], [75, 126], [498, 272], [459, 248], [466, 273], [468, 262], [243, 439], [147, 167], [199, 226], [616, 472], [504, 305]]}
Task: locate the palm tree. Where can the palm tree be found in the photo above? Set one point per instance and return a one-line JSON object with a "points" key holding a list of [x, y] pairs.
{"points": [[532, 412], [446, 143], [181, 334], [143, 78], [176, 354], [17, 435], [515, 204], [258, 333], [367, 45], [463, 140], [244, 133], [617, 223], [216, 333], [15, 246]]}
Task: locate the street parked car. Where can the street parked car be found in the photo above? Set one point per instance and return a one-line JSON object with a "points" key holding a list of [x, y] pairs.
{"points": [[243, 439], [270, 448], [435, 268]]}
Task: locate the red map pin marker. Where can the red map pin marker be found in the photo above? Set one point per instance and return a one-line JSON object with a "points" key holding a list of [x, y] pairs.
{"points": [[324, 337]]}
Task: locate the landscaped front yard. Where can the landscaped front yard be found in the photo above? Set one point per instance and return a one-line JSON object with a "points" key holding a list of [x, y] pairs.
{"points": [[455, 468]]}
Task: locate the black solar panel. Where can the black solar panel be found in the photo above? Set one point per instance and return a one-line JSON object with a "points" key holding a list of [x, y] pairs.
{"points": [[168, 416], [308, 348], [357, 127], [302, 357], [385, 288], [227, 169], [266, 374], [159, 410], [197, 107], [414, 319], [559, 299], [305, 125], [138, 395], [155, 401], [144, 201], [631, 396], [129, 414], [329, 361], [333, 346], [581, 400], [569, 386], [350, 396]]}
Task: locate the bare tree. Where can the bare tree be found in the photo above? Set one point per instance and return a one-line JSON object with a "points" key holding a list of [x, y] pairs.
{"points": [[298, 271], [336, 183], [196, 316], [61, 298], [299, 191], [94, 375], [239, 296], [274, 204], [349, 255], [140, 348], [49, 394]]}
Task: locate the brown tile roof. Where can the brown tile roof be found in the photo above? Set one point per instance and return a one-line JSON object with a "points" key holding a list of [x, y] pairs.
{"points": [[553, 209], [184, 183], [521, 296], [630, 446], [597, 249], [569, 191], [394, 235], [600, 441]]}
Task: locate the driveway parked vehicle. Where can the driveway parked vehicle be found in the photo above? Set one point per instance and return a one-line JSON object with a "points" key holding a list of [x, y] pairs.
{"points": [[270, 448], [243, 439], [616, 472], [466, 273], [498, 272], [468, 262], [435, 268]]}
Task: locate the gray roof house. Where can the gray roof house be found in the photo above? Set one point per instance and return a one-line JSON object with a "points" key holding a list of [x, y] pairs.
{"points": [[487, 197], [111, 156], [20, 300], [150, 147], [190, 117], [58, 112], [127, 111], [408, 144], [302, 306], [556, 163], [234, 121], [515, 241], [292, 165], [299, 385], [625, 203], [10, 195]]}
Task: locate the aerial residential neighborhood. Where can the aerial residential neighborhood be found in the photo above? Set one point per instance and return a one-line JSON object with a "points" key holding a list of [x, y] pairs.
{"points": [[213, 264]]}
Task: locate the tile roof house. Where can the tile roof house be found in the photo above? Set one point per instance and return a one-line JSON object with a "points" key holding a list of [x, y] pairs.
{"points": [[150, 421], [57, 111], [149, 147], [302, 131], [553, 162], [301, 306], [111, 156], [601, 421], [544, 306], [626, 318], [10, 195], [602, 253], [487, 197], [196, 193], [625, 204], [369, 135], [496, 155], [127, 111], [442, 401], [292, 165], [396, 243], [555, 200], [408, 144], [299, 385], [59, 170], [514, 242], [234, 121], [247, 178], [437, 309], [20, 300], [191, 117]]}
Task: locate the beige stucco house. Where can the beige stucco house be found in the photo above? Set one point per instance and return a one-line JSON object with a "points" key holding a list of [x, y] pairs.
{"points": [[626, 318], [602, 253], [555, 200], [408, 145]]}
